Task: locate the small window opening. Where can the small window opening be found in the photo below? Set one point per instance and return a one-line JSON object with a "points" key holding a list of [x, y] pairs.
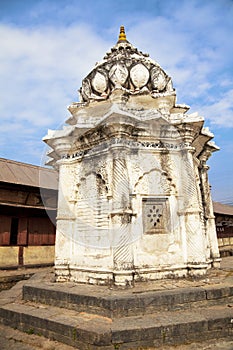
{"points": [[14, 231]]}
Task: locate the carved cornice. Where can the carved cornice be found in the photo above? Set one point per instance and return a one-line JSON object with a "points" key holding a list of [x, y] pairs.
{"points": [[142, 145]]}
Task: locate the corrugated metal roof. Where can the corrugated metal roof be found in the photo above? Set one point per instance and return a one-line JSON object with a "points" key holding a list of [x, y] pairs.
{"points": [[19, 173], [220, 208]]}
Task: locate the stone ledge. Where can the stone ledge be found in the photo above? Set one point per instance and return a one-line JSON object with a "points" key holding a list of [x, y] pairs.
{"points": [[105, 302], [87, 331]]}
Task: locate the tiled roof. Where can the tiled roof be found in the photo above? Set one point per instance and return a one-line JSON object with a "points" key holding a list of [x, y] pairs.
{"points": [[14, 172], [220, 208]]}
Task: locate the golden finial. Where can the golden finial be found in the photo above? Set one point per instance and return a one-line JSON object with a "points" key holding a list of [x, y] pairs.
{"points": [[122, 36]]}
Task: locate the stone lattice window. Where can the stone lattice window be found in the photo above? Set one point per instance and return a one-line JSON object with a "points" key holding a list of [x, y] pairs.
{"points": [[156, 215]]}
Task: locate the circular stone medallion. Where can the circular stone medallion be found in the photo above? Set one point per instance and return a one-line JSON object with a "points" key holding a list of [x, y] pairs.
{"points": [[139, 75]]}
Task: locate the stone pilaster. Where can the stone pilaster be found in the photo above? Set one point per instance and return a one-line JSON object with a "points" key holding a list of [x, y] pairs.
{"points": [[121, 216], [196, 257], [208, 210]]}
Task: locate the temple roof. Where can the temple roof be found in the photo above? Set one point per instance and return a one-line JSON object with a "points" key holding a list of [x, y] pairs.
{"points": [[128, 84], [125, 67]]}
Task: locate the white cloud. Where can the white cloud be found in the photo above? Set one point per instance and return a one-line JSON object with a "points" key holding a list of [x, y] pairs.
{"points": [[192, 43], [41, 70], [42, 66], [220, 112]]}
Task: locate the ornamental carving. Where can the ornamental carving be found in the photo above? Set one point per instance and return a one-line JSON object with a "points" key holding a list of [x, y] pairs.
{"points": [[86, 89], [126, 68], [139, 75], [153, 182], [99, 82], [156, 218], [118, 74], [158, 79]]}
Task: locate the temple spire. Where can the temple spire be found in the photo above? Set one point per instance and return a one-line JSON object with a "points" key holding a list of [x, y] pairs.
{"points": [[122, 35]]}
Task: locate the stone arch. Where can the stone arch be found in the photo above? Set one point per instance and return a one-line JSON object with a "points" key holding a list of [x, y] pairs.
{"points": [[95, 181], [154, 181]]}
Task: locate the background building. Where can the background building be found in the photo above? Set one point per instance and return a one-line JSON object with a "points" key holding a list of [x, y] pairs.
{"points": [[28, 200], [224, 226]]}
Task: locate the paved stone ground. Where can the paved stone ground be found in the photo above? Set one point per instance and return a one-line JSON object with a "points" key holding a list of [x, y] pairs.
{"points": [[11, 339]]}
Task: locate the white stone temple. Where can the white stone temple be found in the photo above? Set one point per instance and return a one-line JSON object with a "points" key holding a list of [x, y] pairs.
{"points": [[134, 198]]}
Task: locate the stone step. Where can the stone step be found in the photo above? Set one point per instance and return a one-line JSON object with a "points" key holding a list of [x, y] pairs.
{"points": [[110, 303], [69, 327], [91, 332]]}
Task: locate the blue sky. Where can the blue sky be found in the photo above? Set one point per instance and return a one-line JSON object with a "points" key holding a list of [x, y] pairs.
{"points": [[48, 46]]}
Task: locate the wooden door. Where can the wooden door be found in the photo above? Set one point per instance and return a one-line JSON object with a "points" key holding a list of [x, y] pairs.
{"points": [[5, 229]]}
